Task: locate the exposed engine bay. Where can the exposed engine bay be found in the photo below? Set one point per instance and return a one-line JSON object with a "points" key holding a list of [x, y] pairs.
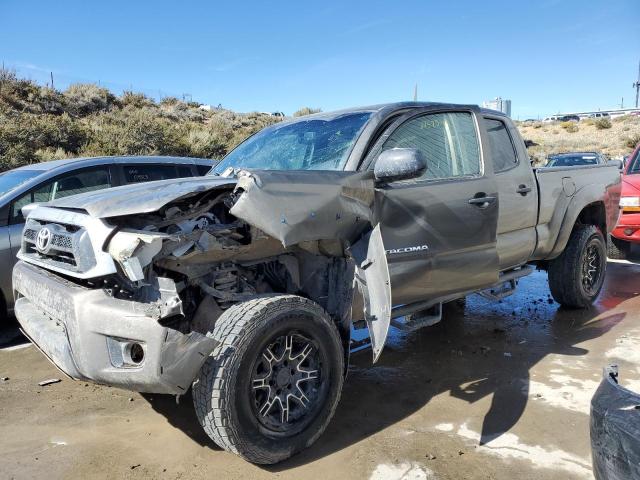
{"points": [[202, 259]]}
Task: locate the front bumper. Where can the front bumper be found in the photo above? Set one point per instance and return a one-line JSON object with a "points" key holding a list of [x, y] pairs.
{"points": [[628, 227], [77, 328], [615, 430]]}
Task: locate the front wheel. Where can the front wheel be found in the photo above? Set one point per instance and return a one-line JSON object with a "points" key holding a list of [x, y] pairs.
{"points": [[271, 386], [577, 275]]}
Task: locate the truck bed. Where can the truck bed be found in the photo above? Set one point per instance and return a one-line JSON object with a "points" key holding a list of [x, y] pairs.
{"points": [[563, 192]]}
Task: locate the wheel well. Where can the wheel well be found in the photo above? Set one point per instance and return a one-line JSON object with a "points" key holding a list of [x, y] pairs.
{"points": [[594, 214]]}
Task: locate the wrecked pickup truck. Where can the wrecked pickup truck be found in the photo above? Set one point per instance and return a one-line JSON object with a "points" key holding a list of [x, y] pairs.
{"points": [[245, 285]]}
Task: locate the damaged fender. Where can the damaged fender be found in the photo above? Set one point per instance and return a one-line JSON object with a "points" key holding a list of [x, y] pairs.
{"points": [[297, 206]]}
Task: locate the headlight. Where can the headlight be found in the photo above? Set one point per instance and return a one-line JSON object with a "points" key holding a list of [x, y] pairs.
{"points": [[630, 204], [134, 250]]}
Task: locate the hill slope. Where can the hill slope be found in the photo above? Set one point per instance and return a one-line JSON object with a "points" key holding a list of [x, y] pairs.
{"points": [[38, 123], [615, 138]]}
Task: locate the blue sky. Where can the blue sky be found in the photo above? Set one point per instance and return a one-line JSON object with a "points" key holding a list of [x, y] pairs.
{"points": [[546, 56]]}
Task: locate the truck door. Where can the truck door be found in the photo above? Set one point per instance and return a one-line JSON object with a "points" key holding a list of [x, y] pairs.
{"points": [[439, 230], [516, 235]]}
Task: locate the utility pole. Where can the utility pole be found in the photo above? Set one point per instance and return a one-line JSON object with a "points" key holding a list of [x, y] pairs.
{"points": [[636, 85], [415, 93], [51, 80]]}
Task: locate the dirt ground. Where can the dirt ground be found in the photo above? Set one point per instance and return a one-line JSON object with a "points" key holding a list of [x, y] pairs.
{"points": [[496, 390]]}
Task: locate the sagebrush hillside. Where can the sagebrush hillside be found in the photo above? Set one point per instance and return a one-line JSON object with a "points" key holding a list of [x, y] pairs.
{"points": [[38, 123], [616, 137]]}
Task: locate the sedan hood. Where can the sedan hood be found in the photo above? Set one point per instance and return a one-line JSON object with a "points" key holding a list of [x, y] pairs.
{"points": [[141, 197]]}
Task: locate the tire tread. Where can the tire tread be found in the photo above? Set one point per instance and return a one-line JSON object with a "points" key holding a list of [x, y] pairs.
{"points": [[233, 328]]}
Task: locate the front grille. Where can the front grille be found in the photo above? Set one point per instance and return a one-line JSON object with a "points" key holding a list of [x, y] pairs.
{"points": [[67, 247]]}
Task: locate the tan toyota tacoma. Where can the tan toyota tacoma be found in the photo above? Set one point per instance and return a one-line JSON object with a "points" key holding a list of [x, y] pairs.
{"points": [[244, 285]]}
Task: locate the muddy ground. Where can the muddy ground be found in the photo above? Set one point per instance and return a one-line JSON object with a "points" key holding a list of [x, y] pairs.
{"points": [[496, 390]]}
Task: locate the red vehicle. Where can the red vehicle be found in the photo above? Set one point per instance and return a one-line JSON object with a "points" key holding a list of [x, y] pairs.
{"points": [[627, 230]]}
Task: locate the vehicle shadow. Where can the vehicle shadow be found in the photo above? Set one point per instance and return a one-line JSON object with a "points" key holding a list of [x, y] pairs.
{"points": [[10, 335], [463, 356], [181, 415]]}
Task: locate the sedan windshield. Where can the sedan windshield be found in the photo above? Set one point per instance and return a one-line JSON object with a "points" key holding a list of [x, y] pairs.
{"points": [[572, 160], [12, 179], [634, 162], [313, 144]]}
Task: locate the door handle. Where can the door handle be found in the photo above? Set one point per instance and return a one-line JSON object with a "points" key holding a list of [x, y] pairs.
{"points": [[481, 200], [523, 189]]}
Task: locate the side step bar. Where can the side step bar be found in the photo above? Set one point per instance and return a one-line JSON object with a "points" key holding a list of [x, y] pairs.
{"points": [[507, 284], [414, 321]]}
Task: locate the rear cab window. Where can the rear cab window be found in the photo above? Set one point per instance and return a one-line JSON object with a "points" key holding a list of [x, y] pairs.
{"points": [[503, 152]]}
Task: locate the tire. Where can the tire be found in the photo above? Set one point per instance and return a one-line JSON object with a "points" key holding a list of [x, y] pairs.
{"points": [[261, 354], [618, 249], [577, 275]]}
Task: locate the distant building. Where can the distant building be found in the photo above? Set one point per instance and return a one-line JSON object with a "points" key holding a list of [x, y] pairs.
{"points": [[499, 104]]}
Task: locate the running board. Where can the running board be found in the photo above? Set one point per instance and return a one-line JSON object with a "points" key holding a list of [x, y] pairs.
{"points": [[417, 320], [506, 284]]}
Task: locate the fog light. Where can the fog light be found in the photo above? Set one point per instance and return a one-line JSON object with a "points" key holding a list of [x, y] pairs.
{"points": [[628, 231], [125, 353], [136, 353]]}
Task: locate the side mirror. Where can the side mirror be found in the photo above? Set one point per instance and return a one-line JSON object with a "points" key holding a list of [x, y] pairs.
{"points": [[616, 163], [399, 164]]}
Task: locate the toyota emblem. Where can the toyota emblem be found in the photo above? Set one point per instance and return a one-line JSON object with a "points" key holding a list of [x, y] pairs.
{"points": [[43, 240]]}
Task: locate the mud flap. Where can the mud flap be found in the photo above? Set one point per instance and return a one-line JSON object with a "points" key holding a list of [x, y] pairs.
{"points": [[372, 278]]}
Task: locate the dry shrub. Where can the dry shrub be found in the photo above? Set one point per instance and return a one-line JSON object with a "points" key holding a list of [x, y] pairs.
{"points": [[602, 123]]}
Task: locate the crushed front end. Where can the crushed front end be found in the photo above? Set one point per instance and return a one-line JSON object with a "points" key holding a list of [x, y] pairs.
{"points": [[130, 299]]}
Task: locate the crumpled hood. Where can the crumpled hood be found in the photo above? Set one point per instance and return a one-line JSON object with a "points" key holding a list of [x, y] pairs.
{"points": [[141, 197], [291, 206]]}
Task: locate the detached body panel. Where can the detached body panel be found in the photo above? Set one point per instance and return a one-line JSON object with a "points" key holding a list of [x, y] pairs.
{"points": [[615, 430]]}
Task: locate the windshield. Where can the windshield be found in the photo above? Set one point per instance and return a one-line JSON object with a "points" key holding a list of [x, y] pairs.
{"points": [[634, 163], [313, 144], [11, 179], [572, 160]]}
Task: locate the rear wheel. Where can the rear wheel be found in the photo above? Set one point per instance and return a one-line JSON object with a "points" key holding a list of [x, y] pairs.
{"points": [[618, 249], [271, 386], [577, 275]]}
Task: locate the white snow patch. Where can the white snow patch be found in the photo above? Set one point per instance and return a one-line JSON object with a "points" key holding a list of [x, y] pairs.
{"points": [[627, 348], [444, 427], [565, 392], [509, 446], [402, 471], [573, 363]]}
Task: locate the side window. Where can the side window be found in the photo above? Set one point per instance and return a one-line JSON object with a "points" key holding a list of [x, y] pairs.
{"points": [[184, 171], [41, 194], [503, 153], [81, 182], [449, 142], [70, 184], [148, 173], [203, 169]]}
